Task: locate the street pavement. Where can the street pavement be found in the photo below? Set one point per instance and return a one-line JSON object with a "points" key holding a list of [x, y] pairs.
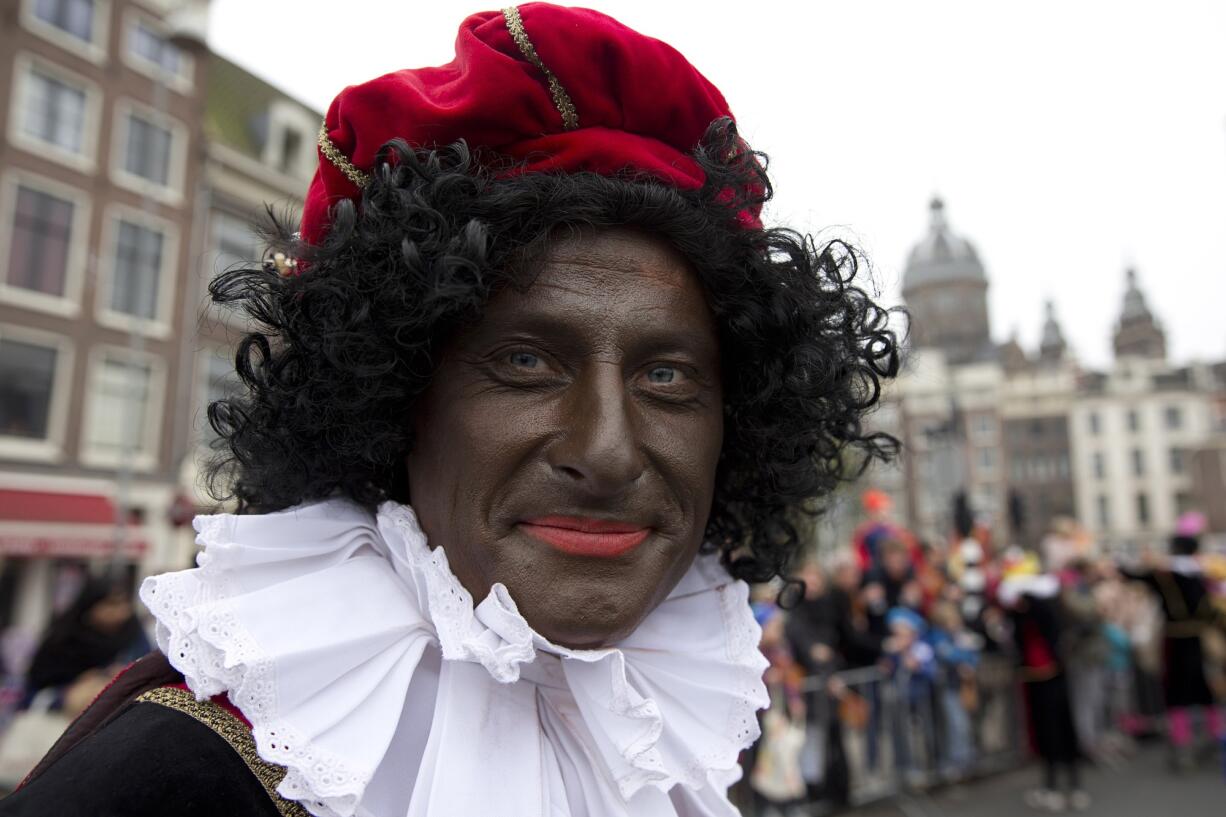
{"points": [[1142, 787]]}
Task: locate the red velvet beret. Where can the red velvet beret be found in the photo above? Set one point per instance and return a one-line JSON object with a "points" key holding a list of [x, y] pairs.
{"points": [[559, 89]]}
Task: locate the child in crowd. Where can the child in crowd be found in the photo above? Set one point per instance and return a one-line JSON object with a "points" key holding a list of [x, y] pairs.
{"points": [[957, 654], [911, 666]]}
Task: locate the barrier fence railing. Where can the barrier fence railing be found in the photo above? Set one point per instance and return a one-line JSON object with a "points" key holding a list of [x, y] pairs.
{"points": [[870, 735]]}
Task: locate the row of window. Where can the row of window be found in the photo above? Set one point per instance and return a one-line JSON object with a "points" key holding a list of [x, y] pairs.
{"points": [[1172, 420], [44, 230], [1177, 459], [82, 26], [45, 234], [1182, 502], [123, 407], [56, 114], [1039, 468]]}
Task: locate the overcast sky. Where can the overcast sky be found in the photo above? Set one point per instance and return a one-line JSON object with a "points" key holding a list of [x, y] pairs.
{"points": [[1068, 139]]}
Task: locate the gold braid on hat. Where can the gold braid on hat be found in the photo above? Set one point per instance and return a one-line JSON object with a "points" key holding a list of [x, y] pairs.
{"points": [[561, 99], [515, 25]]}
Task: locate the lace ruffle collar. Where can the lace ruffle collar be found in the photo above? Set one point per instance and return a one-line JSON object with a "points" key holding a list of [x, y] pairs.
{"points": [[367, 671]]}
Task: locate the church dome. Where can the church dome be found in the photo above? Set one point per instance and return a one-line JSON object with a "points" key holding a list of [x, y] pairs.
{"points": [[941, 256]]}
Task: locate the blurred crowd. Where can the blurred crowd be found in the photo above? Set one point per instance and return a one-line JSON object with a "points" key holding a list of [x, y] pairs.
{"points": [[881, 663], [879, 666], [84, 646]]}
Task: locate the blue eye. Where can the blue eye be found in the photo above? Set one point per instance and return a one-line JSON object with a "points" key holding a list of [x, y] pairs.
{"points": [[662, 375], [525, 360]]}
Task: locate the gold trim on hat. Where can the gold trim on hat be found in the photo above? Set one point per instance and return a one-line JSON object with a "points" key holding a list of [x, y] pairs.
{"points": [[333, 154], [561, 99]]}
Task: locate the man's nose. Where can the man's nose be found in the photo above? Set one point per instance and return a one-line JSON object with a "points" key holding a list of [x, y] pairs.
{"points": [[599, 450]]}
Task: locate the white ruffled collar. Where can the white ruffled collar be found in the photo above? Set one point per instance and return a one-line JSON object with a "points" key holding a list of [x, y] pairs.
{"points": [[367, 672]]}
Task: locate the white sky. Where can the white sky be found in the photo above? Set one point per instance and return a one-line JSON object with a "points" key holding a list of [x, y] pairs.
{"points": [[1067, 138]]}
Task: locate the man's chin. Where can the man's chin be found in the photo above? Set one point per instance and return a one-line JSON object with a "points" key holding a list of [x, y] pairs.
{"points": [[582, 631]]}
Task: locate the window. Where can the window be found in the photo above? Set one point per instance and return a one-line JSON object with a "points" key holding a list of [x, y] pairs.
{"points": [[987, 459], [1017, 469], [147, 153], [234, 242], [1142, 510], [221, 382], [27, 377], [1100, 467], [81, 27], [1184, 502], [985, 425], [120, 409], [1134, 420], [75, 17], [40, 242], [150, 49], [1043, 468], [1104, 512], [1094, 423], [147, 44], [291, 148], [1173, 417], [1138, 462], [1178, 458], [136, 280], [54, 111]]}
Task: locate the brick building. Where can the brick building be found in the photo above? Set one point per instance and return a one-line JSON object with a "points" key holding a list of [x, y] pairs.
{"points": [[132, 162]]}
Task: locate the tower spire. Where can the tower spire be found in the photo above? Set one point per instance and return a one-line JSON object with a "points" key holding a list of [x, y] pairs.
{"points": [[1138, 333], [1052, 346]]}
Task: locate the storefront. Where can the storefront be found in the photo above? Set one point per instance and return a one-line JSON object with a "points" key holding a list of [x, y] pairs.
{"points": [[49, 542]]}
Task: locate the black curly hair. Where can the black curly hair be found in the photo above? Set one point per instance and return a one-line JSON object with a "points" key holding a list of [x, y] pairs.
{"points": [[338, 353]]}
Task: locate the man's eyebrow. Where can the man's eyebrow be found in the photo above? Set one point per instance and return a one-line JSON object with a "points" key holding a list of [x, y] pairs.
{"points": [[530, 320]]}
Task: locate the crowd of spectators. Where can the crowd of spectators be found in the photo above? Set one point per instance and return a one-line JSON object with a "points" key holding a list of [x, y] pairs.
{"points": [[889, 635]]}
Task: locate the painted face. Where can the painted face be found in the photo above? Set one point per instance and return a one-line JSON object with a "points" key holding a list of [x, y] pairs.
{"points": [[568, 442]]}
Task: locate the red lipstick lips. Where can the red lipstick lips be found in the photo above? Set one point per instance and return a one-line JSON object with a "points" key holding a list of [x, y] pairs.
{"points": [[586, 537]]}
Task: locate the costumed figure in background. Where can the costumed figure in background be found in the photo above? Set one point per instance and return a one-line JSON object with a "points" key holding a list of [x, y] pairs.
{"points": [[1189, 616], [530, 395], [871, 534], [1033, 601]]}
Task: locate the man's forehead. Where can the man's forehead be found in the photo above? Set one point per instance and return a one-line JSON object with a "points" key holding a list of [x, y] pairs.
{"points": [[610, 263]]}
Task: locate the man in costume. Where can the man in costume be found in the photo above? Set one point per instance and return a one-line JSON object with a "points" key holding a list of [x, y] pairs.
{"points": [[1033, 601], [534, 398], [1189, 613]]}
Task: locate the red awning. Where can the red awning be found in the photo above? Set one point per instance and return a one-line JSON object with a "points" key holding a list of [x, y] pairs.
{"points": [[62, 525]]}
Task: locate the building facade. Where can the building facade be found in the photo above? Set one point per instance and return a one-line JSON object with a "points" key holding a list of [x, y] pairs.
{"points": [[132, 166], [259, 154], [1021, 439], [1135, 430], [98, 169]]}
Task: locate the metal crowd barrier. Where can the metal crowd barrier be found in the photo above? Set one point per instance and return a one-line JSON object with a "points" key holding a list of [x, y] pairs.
{"points": [[901, 733]]}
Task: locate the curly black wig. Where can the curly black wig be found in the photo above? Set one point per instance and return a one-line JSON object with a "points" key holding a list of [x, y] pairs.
{"points": [[338, 353]]}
